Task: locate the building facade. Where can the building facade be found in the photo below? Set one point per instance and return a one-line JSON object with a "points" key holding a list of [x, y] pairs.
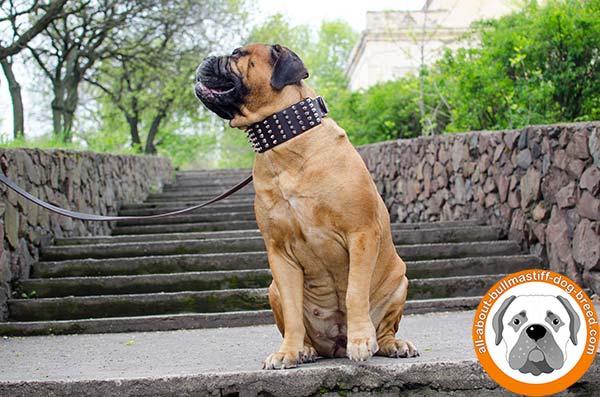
{"points": [[398, 42]]}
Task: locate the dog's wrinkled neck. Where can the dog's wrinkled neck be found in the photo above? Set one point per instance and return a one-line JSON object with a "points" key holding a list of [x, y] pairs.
{"points": [[293, 157]]}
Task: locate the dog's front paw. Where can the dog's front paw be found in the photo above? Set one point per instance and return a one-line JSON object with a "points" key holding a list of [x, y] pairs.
{"points": [[362, 344], [283, 360], [398, 348]]}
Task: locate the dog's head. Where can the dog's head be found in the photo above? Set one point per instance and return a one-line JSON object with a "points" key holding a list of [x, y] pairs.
{"points": [[536, 330], [251, 83]]}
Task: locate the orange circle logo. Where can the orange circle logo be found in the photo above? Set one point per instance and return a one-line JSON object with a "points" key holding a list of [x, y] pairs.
{"points": [[535, 332]]}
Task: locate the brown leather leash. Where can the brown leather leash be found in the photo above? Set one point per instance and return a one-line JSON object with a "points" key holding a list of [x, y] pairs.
{"points": [[101, 218]]}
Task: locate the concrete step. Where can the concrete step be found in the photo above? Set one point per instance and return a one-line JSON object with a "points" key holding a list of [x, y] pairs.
{"points": [[127, 238], [200, 184], [69, 308], [213, 173], [161, 322], [212, 301], [209, 179], [245, 225], [178, 249], [204, 187], [150, 265], [191, 191], [226, 362], [257, 260], [177, 321], [438, 224], [194, 196], [193, 218], [230, 201], [140, 284], [442, 287], [242, 207], [186, 227], [451, 234], [166, 244]]}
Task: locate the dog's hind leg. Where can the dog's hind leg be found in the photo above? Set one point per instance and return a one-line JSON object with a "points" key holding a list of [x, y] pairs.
{"points": [[389, 346], [275, 302]]}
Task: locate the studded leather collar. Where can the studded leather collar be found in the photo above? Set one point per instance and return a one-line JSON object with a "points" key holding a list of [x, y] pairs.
{"points": [[286, 124]]}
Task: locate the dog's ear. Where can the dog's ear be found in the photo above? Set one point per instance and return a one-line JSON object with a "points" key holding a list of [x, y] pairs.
{"points": [[575, 323], [288, 68], [497, 321]]}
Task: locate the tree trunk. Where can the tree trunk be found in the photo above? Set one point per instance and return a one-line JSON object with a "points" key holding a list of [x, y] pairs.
{"points": [[17, 101], [71, 101], [134, 131], [57, 110], [150, 148], [64, 105], [66, 97]]}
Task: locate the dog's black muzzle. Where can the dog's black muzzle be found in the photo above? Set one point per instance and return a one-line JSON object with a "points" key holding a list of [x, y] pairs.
{"points": [[219, 89]]}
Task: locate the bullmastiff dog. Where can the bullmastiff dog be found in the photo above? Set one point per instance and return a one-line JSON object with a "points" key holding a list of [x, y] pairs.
{"points": [[339, 286], [537, 331]]}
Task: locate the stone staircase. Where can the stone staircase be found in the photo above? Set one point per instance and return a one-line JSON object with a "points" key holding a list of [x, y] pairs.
{"points": [[209, 268]]}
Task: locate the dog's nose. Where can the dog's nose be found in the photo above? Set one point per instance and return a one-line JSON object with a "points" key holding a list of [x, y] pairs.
{"points": [[536, 332], [204, 67]]}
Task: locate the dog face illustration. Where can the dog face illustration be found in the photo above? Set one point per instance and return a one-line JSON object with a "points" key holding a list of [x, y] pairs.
{"points": [[536, 330]]}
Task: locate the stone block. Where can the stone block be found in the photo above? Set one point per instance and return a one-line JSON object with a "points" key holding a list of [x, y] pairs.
{"points": [[589, 206], [586, 246], [577, 147], [590, 180], [530, 187], [559, 243], [567, 196], [510, 137], [491, 200], [594, 146], [524, 159], [575, 168], [539, 212], [503, 185], [555, 180], [11, 226]]}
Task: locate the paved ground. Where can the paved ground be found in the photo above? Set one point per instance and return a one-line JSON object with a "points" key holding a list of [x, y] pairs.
{"points": [[227, 362], [188, 352]]}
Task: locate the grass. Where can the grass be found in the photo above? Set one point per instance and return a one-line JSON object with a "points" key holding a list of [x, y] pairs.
{"points": [[43, 142], [185, 152]]}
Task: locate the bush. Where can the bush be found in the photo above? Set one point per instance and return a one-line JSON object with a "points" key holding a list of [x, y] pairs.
{"points": [[539, 65]]}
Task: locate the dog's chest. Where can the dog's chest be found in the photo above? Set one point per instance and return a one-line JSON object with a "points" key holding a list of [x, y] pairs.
{"points": [[302, 223]]}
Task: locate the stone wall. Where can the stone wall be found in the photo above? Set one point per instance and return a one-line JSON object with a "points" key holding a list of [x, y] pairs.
{"points": [[541, 183], [80, 181]]}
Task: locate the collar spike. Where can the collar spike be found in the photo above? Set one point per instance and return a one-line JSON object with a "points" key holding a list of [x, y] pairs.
{"points": [[311, 112]]}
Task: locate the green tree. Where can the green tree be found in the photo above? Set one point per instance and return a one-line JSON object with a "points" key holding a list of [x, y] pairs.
{"points": [[71, 46], [149, 79], [385, 111], [20, 22], [538, 65], [277, 29], [324, 53]]}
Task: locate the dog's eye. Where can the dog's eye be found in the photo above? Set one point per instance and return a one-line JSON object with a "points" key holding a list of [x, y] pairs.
{"points": [[556, 321], [516, 321]]}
